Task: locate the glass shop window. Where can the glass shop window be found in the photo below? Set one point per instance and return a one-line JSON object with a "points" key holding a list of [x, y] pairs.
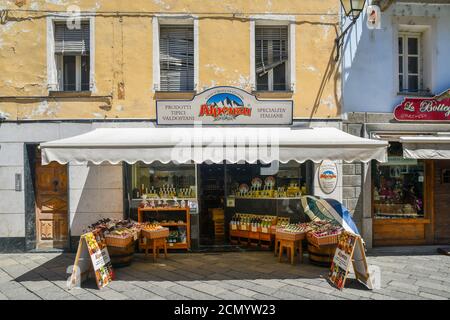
{"points": [[398, 186], [163, 181], [258, 189]]}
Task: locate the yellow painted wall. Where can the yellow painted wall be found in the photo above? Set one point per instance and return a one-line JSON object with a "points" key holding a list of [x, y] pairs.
{"points": [[123, 53]]}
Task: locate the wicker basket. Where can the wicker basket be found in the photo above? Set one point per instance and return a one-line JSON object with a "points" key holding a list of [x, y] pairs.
{"points": [[155, 234], [322, 241], [280, 235], [120, 242]]}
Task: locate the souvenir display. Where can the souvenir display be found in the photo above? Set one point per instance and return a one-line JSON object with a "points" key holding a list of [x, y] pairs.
{"points": [[256, 183], [151, 226], [154, 230], [268, 189], [398, 189], [292, 231], [251, 229], [243, 189], [269, 182], [174, 217], [258, 223], [163, 181], [295, 228], [323, 233]]}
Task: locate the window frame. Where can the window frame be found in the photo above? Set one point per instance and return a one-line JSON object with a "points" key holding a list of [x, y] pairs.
{"points": [[270, 73], [174, 19], [405, 57], [427, 210], [274, 21], [55, 64]]}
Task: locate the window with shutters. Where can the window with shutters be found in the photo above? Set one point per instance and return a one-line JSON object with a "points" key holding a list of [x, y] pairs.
{"points": [[176, 57], [271, 58], [72, 56]]}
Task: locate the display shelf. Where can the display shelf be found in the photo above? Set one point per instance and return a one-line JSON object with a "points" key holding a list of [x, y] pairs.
{"points": [[182, 245], [149, 209], [250, 238], [164, 224], [177, 245], [165, 199], [268, 198]]}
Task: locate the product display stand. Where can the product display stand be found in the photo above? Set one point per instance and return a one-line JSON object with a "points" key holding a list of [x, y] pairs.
{"points": [[186, 223]]}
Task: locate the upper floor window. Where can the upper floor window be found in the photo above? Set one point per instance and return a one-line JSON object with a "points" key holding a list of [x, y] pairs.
{"points": [[72, 56], [410, 62], [176, 57], [271, 58]]}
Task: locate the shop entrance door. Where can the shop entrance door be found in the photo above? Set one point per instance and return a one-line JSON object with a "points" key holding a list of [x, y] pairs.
{"points": [[211, 198], [51, 205], [441, 202]]}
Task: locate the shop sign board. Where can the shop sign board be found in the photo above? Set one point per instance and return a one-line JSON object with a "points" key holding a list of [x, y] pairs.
{"points": [[350, 250], [92, 254], [224, 106], [435, 108], [328, 176]]}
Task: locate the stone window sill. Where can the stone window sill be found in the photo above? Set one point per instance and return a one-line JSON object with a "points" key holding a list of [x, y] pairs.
{"points": [[175, 95], [415, 94], [273, 94], [70, 94]]}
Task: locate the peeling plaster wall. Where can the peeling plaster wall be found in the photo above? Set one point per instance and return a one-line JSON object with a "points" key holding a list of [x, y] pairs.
{"points": [[123, 53]]}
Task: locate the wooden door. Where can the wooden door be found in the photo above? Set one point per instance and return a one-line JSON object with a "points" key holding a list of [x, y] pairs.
{"points": [[442, 204], [52, 228]]}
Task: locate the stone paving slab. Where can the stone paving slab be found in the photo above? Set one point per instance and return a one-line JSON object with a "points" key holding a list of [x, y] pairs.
{"points": [[234, 275]]}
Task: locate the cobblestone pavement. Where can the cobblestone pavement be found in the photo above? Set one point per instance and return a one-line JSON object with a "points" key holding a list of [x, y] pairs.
{"points": [[240, 275]]}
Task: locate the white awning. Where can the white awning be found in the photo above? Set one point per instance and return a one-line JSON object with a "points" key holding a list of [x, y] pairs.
{"points": [[213, 144], [426, 147]]}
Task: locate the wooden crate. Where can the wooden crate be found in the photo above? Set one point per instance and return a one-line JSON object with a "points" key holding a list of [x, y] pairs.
{"points": [[273, 229], [265, 237], [218, 214], [290, 236], [219, 228], [253, 235], [234, 233], [160, 233], [322, 241], [119, 242]]}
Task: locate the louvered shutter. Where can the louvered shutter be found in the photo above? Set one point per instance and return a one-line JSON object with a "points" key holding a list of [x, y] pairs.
{"points": [[72, 41], [176, 56], [271, 47]]}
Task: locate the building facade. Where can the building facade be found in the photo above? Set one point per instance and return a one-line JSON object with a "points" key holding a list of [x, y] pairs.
{"points": [[395, 87], [68, 68]]}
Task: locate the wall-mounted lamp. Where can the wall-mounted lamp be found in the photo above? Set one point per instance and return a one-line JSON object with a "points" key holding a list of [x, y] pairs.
{"points": [[352, 10]]}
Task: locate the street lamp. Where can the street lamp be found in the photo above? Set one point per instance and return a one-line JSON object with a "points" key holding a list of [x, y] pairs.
{"points": [[352, 10]]}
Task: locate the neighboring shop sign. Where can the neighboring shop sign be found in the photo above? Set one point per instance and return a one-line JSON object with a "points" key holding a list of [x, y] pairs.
{"points": [[436, 108], [225, 106], [92, 254], [350, 250], [328, 176]]}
